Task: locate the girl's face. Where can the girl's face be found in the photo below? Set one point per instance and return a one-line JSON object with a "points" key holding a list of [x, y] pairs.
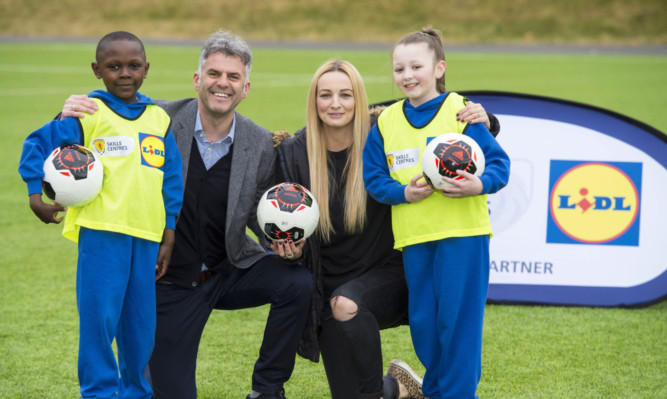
{"points": [[416, 72], [335, 99]]}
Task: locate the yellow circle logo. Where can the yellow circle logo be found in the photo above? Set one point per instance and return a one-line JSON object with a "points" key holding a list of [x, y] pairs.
{"points": [[594, 203], [152, 151]]}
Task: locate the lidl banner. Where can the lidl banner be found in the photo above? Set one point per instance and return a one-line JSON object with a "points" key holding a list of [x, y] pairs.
{"points": [[583, 220]]}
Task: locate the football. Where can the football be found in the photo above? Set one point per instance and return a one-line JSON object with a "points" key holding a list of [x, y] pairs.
{"points": [[448, 153], [288, 211], [72, 175]]}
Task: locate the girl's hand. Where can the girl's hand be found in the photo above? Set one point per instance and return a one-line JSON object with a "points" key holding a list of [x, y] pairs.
{"points": [[418, 189], [468, 186], [77, 104], [473, 113], [287, 250]]}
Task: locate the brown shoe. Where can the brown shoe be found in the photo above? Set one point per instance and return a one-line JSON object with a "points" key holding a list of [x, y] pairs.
{"points": [[406, 376]]}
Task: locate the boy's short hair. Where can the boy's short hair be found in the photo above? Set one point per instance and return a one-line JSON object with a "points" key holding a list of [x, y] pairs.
{"points": [[229, 44], [114, 37]]}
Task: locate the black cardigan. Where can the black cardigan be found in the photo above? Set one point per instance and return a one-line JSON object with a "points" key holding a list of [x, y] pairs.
{"points": [[293, 161]]}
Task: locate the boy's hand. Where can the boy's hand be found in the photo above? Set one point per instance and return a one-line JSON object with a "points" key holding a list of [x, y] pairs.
{"points": [[468, 186], [77, 104], [473, 113], [417, 190], [47, 213], [164, 253]]}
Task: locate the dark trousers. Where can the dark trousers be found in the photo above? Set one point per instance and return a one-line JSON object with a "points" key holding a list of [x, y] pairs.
{"points": [[182, 314], [351, 350]]}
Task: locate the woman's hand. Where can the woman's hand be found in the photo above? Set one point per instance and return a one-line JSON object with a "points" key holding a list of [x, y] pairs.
{"points": [[287, 249], [473, 113]]}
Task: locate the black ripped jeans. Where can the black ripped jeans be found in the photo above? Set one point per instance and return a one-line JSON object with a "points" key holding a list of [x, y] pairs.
{"points": [[351, 350]]}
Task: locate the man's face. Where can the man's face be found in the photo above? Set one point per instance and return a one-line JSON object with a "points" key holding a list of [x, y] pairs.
{"points": [[222, 84]]}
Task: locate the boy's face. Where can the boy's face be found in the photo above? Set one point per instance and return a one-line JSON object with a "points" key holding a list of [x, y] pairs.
{"points": [[122, 66]]}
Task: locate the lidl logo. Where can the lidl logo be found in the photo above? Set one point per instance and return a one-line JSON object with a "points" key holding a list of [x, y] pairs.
{"points": [[594, 202], [152, 150]]}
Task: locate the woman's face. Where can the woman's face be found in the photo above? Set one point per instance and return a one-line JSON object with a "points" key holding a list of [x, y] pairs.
{"points": [[335, 99]]}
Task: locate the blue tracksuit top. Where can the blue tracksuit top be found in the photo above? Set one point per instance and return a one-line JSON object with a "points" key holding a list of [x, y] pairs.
{"points": [[381, 186], [39, 144]]}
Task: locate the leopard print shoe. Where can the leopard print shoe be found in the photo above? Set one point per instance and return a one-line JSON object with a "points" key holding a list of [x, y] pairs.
{"points": [[406, 376]]}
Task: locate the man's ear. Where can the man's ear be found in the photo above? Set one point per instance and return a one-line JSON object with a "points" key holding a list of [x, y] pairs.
{"points": [[246, 89], [148, 64], [195, 81]]}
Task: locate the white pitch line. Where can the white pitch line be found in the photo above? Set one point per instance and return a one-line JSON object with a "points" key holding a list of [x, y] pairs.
{"points": [[259, 80]]}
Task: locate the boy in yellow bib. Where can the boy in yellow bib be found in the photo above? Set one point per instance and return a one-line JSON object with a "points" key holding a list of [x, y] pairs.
{"points": [[126, 234], [444, 237]]}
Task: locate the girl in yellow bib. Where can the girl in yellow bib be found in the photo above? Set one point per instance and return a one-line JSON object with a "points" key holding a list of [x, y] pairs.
{"points": [[444, 235]]}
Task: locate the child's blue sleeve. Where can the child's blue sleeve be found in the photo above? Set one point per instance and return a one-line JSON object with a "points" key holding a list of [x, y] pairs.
{"points": [[39, 145], [172, 182], [497, 162], [379, 183]]}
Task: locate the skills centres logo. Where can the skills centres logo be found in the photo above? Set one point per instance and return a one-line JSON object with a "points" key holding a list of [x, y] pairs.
{"points": [[152, 150], [594, 202]]}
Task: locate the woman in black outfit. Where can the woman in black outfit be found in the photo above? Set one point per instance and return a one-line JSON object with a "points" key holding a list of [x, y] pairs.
{"points": [[359, 282]]}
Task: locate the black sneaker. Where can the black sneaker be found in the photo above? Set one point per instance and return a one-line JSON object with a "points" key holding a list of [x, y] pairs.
{"points": [[277, 395]]}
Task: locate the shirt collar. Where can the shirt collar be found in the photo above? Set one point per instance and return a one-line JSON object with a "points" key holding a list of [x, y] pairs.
{"points": [[199, 131]]}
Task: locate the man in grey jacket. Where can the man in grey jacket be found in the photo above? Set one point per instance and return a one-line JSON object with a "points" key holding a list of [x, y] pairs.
{"points": [[228, 163]]}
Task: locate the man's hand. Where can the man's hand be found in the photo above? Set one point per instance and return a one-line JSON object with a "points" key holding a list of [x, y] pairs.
{"points": [[78, 105], [468, 186], [418, 189], [47, 213]]}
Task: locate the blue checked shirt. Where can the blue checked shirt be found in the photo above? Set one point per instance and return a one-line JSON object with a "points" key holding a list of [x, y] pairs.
{"points": [[213, 152]]}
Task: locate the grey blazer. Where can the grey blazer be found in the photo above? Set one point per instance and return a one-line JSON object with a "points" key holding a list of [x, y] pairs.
{"points": [[252, 173]]}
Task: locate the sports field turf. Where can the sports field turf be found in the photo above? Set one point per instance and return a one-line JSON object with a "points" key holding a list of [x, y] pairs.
{"points": [[529, 351]]}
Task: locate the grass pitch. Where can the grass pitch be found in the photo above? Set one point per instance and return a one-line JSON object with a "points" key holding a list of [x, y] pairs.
{"points": [[529, 351]]}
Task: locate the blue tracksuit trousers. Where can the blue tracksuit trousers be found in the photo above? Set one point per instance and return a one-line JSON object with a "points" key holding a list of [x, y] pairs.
{"points": [[448, 282], [115, 292]]}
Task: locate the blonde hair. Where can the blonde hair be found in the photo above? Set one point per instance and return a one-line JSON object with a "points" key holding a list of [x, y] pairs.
{"points": [[320, 176], [433, 40]]}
